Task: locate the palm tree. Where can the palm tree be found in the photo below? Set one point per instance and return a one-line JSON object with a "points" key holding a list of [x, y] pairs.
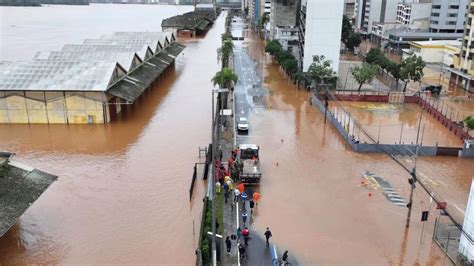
{"points": [[225, 78], [224, 52]]}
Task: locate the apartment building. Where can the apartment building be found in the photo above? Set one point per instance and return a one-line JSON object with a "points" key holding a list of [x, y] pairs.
{"points": [[448, 16], [375, 11], [409, 12], [320, 31], [462, 70]]}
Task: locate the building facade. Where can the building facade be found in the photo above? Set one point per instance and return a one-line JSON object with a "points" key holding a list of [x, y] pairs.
{"points": [[408, 13], [462, 70], [320, 31], [374, 11], [85, 83], [439, 52], [448, 15]]}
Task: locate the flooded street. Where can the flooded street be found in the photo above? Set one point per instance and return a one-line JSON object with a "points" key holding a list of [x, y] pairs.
{"points": [[312, 197], [122, 193]]}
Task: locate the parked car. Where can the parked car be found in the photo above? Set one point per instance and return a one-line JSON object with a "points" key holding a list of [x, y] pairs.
{"points": [[243, 124], [435, 90]]}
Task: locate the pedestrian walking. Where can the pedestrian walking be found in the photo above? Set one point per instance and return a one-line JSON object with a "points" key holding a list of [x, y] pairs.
{"points": [[226, 196], [268, 234], [284, 258], [236, 195], [242, 251], [251, 204], [218, 187], [239, 233], [246, 234], [244, 217], [228, 244], [225, 187]]}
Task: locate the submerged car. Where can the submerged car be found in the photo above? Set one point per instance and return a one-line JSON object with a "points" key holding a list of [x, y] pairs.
{"points": [[243, 124]]}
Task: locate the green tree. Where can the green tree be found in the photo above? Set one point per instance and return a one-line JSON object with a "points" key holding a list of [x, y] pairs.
{"points": [[264, 19], [273, 47], [346, 29], [224, 52], [226, 36], [320, 71], [225, 78], [395, 70], [374, 56], [353, 41], [412, 69], [290, 66], [364, 74], [469, 121]]}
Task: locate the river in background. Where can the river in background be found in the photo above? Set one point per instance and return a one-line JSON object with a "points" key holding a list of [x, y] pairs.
{"points": [[27, 30], [122, 193]]}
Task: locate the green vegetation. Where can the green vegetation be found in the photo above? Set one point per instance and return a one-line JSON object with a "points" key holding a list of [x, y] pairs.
{"points": [[320, 71], [264, 19], [469, 122], [226, 36], [225, 78], [410, 69], [350, 38], [207, 226], [224, 52], [284, 58], [364, 74]]}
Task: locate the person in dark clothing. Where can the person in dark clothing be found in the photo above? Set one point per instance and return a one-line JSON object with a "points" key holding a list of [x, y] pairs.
{"points": [[246, 234], [252, 204], [228, 244], [243, 255], [226, 195], [268, 234], [284, 258]]}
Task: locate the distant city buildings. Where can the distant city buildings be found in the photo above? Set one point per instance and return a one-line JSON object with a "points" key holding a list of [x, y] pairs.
{"points": [[374, 11], [410, 12], [283, 28]]}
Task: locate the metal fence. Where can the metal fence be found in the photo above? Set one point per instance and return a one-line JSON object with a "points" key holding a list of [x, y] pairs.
{"points": [[447, 236]]}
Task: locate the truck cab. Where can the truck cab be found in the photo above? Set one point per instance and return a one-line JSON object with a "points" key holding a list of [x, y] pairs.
{"points": [[249, 164]]}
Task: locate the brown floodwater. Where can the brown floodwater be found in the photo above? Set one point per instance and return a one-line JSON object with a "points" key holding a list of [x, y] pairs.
{"points": [[122, 193], [313, 199], [393, 123]]}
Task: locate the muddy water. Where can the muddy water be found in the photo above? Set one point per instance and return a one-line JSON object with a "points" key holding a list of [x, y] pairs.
{"points": [[313, 200], [394, 123], [122, 193]]}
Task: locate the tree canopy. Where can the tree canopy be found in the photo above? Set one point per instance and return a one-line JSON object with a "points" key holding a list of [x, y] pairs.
{"points": [[225, 78], [469, 121], [321, 71], [346, 28], [224, 52], [364, 74]]}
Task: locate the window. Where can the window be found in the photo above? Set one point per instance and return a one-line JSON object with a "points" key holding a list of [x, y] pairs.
{"points": [[452, 15], [454, 6], [450, 22], [435, 14], [436, 6], [434, 22]]}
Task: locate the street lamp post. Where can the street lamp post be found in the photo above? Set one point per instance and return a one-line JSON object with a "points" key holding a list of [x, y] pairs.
{"points": [[213, 181]]}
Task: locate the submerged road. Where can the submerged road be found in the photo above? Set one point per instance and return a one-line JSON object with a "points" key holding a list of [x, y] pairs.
{"points": [[312, 197]]}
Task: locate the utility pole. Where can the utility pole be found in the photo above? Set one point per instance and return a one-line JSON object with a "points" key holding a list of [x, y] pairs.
{"points": [[212, 187], [412, 180]]}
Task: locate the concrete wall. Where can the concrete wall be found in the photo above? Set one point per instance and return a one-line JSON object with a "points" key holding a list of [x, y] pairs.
{"points": [[466, 248], [52, 107], [323, 31]]}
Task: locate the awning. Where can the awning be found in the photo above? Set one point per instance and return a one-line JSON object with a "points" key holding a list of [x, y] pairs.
{"points": [[133, 85], [461, 73]]}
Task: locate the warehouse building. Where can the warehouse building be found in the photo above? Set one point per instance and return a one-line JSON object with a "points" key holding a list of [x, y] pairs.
{"points": [[84, 83]]}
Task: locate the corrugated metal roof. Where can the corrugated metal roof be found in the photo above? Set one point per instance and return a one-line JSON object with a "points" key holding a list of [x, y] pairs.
{"points": [[131, 87]]}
